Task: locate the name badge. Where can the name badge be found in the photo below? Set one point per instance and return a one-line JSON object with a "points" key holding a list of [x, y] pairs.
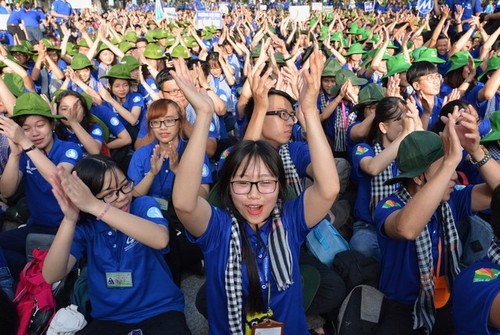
{"points": [[268, 327], [119, 279], [163, 203]]}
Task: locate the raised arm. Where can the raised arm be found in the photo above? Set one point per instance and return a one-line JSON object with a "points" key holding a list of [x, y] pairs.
{"points": [[318, 198], [193, 211]]}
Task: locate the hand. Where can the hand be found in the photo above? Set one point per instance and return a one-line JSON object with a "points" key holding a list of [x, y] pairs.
{"points": [[393, 89], [260, 86], [173, 157], [459, 11], [200, 101], [70, 211], [470, 69], [413, 113], [454, 95], [157, 159], [468, 129], [311, 84], [451, 143], [13, 132], [78, 192]]}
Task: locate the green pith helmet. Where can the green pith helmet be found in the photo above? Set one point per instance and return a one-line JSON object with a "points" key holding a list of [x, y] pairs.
{"points": [[356, 48], [493, 64], [461, 59], [119, 71], [427, 55], [397, 64], [131, 62], [494, 134], [180, 52], [32, 104], [331, 68], [131, 36], [80, 61], [20, 48], [48, 44], [368, 95], [153, 51], [125, 46]]}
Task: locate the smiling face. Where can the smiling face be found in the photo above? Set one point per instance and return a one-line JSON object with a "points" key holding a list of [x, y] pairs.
{"points": [[165, 134], [429, 84], [120, 88], [114, 180], [39, 131], [106, 57], [276, 130], [254, 206], [83, 74]]}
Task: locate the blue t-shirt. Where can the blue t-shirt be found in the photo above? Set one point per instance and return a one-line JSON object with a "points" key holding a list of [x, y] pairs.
{"points": [[32, 18], [131, 100], [286, 305], [15, 16], [163, 182], [43, 206], [109, 250], [473, 293], [63, 8], [399, 275], [362, 205], [95, 132], [438, 104], [106, 115]]}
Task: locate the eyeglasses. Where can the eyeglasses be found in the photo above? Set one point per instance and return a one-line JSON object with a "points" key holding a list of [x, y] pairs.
{"points": [[176, 91], [154, 124], [432, 77], [284, 115], [112, 196], [241, 187]]}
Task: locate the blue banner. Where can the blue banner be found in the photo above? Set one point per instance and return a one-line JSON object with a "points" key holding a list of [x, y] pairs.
{"points": [[424, 7], [158, 11]]}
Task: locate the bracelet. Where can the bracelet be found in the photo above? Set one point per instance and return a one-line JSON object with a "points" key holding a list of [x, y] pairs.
{"points": [[484, 160], [467, 81], [104, 211], [287, 59], [33, 147]]}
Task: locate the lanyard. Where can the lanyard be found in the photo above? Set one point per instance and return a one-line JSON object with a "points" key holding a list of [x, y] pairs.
{"points": [[344, 114], [266, 279], [439, 258]]}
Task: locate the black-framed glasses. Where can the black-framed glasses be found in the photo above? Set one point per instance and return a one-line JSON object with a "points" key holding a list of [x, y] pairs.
{"points": [[113, 195], [263, 186], [167, 123], [175, 92], [284, 115]]}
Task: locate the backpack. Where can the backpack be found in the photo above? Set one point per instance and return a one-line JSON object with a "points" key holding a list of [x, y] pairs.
{"points": [[324, 242], [34, 299]]}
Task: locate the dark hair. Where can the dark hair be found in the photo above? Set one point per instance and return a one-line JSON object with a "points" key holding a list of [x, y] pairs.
{"points": [[455, 79], [457, 36], [21, 119], [420, 69], [248, 110], [163, 76], [495, 211], [86, 123], [112, 80], [443, 37], [205, 67], [445, 110], [214, 57], [27, 5], [92, 170], [389, 108], [242, 154]]}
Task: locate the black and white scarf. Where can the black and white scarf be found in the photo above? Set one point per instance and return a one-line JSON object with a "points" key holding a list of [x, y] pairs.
{"points": [[424, 311], [340, 139], [380, 191], [323, 101], [494, 251], [291, 174], [280, 256]]}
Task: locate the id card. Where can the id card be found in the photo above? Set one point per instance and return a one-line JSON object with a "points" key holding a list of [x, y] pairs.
{"points": [[268, 327], [163, 203], [119, 279]]}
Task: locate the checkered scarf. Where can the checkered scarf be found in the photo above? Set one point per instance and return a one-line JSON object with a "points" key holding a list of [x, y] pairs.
{"points": [[494, 251], [424, 311], [494, 150], [340, 139], [323, 101], [281, 266], [291, 174], [380, 191]]}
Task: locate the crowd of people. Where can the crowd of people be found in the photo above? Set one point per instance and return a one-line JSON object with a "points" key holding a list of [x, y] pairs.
{"points": [[150, 148]]}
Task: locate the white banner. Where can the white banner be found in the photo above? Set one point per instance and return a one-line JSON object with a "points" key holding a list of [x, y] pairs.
{"points": [[328, 9], [170, 13], [368, 6], [3, 21], [84, 3], [263, 7], [206, 18], [316, 5], [300, 13]]}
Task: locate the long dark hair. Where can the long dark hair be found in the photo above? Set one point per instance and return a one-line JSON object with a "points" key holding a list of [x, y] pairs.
{"points": [[389, 108], [455, 79], [92, 170], [445, 110], [495, 212], [240, 157], [86, 123]]}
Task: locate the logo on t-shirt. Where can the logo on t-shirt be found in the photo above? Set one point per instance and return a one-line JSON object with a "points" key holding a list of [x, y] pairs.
{"points": [[154, 213], [97, 132], [137, 99], [361, 150], [72, 153], [205, 171], [114, 121], [225, 153], [485, 275], [391, 204]]}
